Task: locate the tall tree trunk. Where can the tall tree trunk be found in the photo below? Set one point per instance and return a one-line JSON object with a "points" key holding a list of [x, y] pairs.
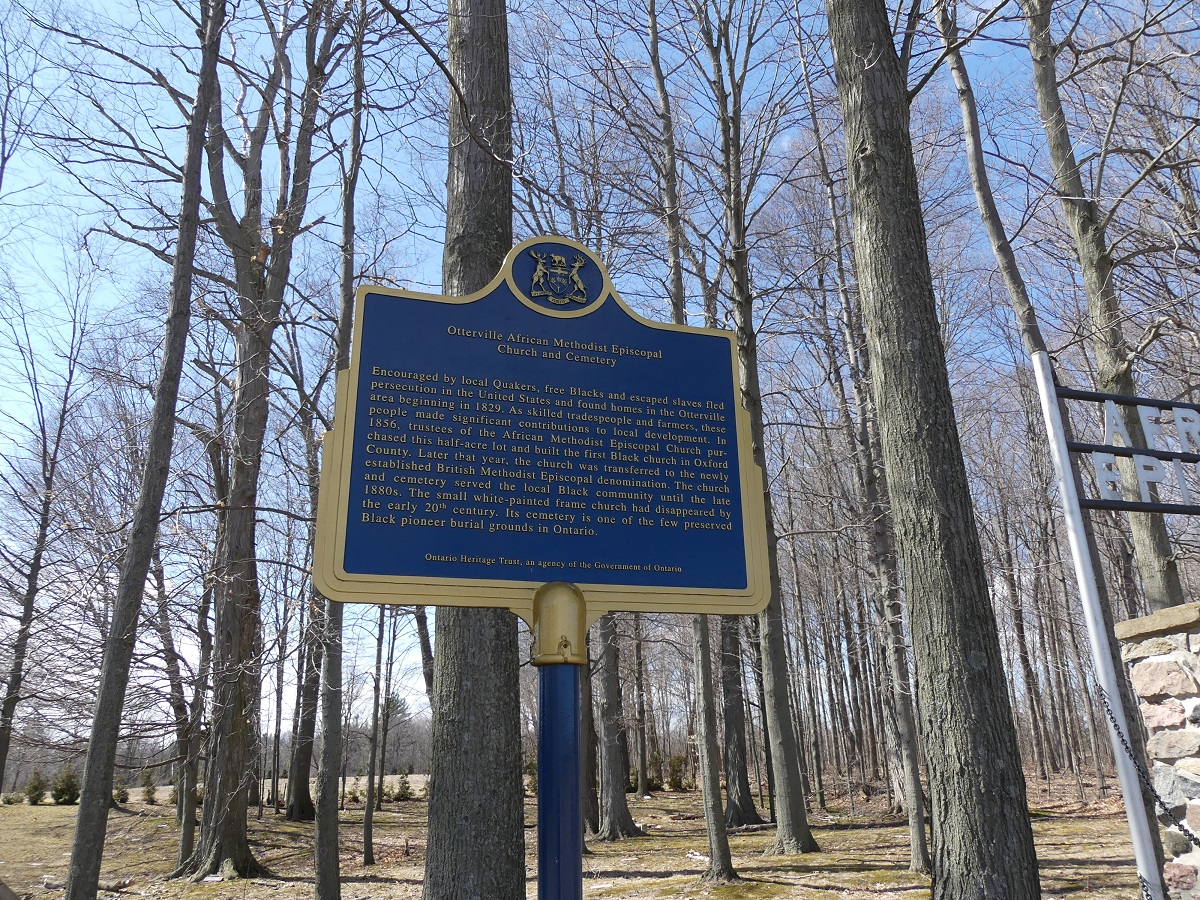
{"points": [[720, 864], [1037, 15], [872, 488], [326, 857], [15, 681], [615, 820], [262, 273], [96, 790], [476, 744], [982, 843], [1114, 358], [792, 834]]}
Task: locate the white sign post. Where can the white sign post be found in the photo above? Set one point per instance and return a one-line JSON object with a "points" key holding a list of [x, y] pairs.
{"points": [[1135, 810]]}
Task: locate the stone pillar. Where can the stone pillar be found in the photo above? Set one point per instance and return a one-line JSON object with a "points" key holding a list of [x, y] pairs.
{"points": [[1163, 652]]}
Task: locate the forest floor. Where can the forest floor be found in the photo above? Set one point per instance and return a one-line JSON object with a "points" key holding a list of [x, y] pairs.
{"points": [[1084, 852]]}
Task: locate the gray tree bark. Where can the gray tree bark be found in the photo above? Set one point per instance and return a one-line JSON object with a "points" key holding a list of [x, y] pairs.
{"points": [[476, 834], [982, 842], [96, 791], [720, 864]]}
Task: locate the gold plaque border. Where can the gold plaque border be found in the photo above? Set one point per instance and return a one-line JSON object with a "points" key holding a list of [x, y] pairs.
{"points": [[518, 596]]}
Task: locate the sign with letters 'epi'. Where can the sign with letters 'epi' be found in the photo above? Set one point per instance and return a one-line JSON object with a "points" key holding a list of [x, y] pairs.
{"points": [[534, 432]]}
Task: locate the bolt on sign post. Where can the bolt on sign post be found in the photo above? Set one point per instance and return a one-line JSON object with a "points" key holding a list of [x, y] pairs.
{"points": [[538, 446], [1165, 481]]}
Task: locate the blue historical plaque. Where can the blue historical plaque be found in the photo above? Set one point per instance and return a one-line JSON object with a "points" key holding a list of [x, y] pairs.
{"points": [[539, 431]]}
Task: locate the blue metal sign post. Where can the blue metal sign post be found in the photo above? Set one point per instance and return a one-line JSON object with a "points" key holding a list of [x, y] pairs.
{"points": [[560, 635], [560, 819]]}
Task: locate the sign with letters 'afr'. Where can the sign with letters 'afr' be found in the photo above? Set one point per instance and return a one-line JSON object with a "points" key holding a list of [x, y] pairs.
{"points": [[539, 431]]}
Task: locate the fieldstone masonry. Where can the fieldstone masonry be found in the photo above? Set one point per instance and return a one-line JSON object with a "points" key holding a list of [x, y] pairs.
{"points": [[1163, 655]]}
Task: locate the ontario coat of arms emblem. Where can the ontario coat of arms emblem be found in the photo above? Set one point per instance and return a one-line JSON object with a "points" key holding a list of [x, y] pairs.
{"points": [[557, 281]]}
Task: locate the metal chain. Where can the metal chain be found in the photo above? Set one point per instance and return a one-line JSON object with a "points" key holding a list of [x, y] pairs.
{"points": [[1147, 783], [1143, 775]]}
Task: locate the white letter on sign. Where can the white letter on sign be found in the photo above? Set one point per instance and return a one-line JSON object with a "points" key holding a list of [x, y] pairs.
{"points": [[1184, 491], [1107, 478], [1149, 471], [1188, 425], [1151, 429], [1113, 425]]}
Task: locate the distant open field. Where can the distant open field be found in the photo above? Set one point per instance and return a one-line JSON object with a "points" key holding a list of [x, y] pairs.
{"points": [[1084, 853]]}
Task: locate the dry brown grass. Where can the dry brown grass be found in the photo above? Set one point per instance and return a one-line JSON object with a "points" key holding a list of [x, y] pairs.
{"points": [[1084, 852]]}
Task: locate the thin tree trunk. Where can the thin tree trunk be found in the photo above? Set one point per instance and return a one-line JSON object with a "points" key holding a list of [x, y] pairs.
{"points": [[174, 680], [191, 767], [426, 650], [720, 864], [300, 806], [1100, 291], [756, 646], [369, 804], [739, 809], [277, 737], [639, 707], [615, 820], [591, 783], [326, 862], [387, 707], [326, 858], [96, 791]]}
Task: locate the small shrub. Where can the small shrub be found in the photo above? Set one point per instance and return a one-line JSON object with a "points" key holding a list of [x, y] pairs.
{"points": [[65, 788], [120, 794], [675, 767], [352, 795], [149, 788], [403, 789], [654, 769], [173, 797], [35, 788], [530, 772], [12, 798]]}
